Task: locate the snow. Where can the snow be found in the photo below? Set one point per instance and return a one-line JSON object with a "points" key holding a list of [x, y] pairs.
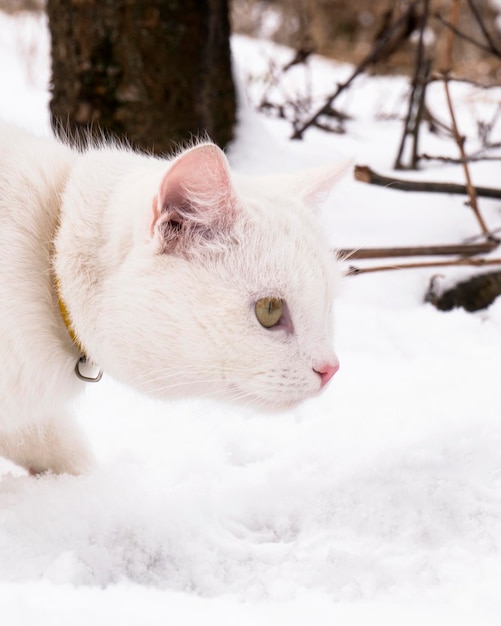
{"points": [[375, 503]]}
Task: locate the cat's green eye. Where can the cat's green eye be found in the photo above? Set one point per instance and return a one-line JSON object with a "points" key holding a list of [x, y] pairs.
{"points": [[269, 311]]}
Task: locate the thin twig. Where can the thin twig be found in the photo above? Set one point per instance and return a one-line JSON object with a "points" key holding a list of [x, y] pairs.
{"points": [[460, 139], [453, 21], [416, 108], [436, 125], [492, 46], [460, 143], [355, 271], [472, 158], [441, 250], [372, 57], [464, 36], [365, 174], [437, 76], [276, 73]]}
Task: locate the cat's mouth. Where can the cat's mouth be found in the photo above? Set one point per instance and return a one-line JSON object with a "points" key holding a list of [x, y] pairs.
{"points": [[279, 400]]}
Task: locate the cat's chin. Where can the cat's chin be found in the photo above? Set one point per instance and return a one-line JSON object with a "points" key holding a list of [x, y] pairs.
{"points": [[269, 404]]}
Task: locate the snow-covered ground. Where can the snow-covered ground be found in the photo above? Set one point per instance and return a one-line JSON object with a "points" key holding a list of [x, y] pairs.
{"points": [[379, 502]]}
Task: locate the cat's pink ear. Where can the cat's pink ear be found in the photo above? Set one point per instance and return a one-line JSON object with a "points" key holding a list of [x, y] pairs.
{"points": [[195, 202], [316, 184]]}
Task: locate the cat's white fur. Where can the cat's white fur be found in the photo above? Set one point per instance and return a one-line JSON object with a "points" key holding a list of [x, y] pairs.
{"points": [[160, 264]]}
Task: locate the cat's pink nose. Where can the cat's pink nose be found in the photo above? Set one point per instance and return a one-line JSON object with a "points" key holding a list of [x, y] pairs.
{"points": [[326, 371]]}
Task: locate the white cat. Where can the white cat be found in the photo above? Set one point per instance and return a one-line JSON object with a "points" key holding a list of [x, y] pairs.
{"points": [[175, 276]]}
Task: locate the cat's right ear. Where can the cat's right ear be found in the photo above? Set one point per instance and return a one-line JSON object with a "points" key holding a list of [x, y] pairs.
{"points": [[195, 203], [314, 185]]}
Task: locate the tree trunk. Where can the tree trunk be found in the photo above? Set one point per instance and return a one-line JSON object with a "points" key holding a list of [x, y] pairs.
{"points": [[156, 72]]}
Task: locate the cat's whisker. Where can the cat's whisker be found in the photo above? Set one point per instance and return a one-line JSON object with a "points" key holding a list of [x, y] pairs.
{"points": [[188, 385], [164, 384], [164, 387], [345, 255], [230, 395], [176, 379], [163, 376]]}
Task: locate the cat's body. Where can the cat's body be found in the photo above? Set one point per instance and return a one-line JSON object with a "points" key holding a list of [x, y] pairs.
{"points": [[160, 265]]}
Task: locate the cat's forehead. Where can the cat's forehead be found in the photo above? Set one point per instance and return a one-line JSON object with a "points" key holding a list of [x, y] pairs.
{"points": [[283, 248], [289, 228]]}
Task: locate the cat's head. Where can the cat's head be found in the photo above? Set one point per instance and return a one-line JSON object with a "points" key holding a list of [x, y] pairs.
{"points": [[227, 291]]}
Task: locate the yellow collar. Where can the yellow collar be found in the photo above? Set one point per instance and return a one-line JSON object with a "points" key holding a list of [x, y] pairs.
{"points": [[65, 314], [84, 369]]}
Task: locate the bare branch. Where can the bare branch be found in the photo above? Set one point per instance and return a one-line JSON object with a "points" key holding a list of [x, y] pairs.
{"points": [[437, 76], [442, 250], [453, 20], [372, 57], [460, 143], [355, 271], [365, 174], [464, 36], [477, 156], [492, 46], [416, 109]]}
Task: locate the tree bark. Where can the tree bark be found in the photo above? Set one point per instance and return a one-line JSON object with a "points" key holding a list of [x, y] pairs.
{"points": [[156, 72]]}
